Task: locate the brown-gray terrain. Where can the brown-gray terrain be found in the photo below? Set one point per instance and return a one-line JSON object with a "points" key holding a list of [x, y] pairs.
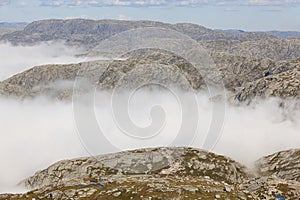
{"points": [[4, 31], [245, 78], [250, 65], [7, 28], [90, 32], [166, 173]]}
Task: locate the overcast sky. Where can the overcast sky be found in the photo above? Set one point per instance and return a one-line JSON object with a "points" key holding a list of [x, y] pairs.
{"points": [[224, 14]]}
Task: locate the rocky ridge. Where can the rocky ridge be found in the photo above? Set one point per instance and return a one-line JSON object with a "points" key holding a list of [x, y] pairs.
{"points": [[284, 85], [49, 80], [272, 48], [244, 78], [163, 173], [250, 67], [90, 32], [285, 34]]}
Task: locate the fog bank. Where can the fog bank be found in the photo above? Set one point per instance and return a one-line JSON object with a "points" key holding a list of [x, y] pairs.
{"points": [[15, 59], [38, 132]]}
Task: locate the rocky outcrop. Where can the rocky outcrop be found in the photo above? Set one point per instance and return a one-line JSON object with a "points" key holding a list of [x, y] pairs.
{"points": [[57, 80], [159, 173], [152, 66], [284, 164], [237, 71], [160, 161], [285, 84], [11, 90]]}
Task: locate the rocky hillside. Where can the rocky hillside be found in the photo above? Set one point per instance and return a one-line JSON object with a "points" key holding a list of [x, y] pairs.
{"points": [[247, 61], [237, 70], [272, 48], [250, 65], [4, 31], [245, 78], [7, 28], [163, 173], [180, 161], [49, 80], [280, 34], [283, 164], [285, 84], [285, 34], [89, 32]]}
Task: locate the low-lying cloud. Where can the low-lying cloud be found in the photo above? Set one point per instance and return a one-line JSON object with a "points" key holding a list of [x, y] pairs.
{"points": [[33, 135], [15, 59], [36, 133]]}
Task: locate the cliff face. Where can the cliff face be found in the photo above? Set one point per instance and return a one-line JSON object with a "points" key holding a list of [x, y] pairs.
{"points": [[165, 173]]}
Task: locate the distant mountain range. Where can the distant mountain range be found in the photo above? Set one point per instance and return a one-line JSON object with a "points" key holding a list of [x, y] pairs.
{"points": [[285, 34], [90, 32], [251, 64], [70, 30], [16, 25], [280, 34], [6, 28], [244, 78]]}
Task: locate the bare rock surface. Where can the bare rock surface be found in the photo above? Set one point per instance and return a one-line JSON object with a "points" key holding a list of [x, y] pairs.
{"points": [[245, 78], [50, 80], [161, 161], [251, 65], [161, 173], [239, 70], [285, 84], [85, 32], [88, 33], [284, 164], [272, 48]]}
